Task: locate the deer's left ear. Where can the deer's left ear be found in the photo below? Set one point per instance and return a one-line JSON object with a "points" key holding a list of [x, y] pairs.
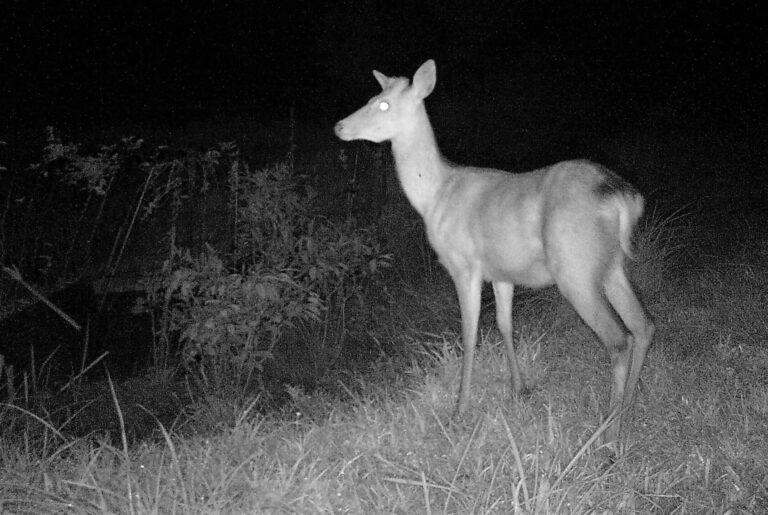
{"points": [[424, 79], [382, 79]]}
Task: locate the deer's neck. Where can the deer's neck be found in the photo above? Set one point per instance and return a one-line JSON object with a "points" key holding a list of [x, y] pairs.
{"points": [[421, 168]]}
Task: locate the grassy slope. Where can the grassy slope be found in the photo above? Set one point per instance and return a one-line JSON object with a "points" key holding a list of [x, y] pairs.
{"points": [[382, 442]]}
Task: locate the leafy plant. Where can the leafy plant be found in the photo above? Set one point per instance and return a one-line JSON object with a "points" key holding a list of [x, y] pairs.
{"points": [[286, 266], [54, 209], [229, 321]]}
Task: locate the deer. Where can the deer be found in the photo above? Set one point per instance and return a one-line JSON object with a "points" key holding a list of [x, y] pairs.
{"points": [[569, 225]]}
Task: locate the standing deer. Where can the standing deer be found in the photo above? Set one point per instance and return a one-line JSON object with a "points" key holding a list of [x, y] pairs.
{"points": [[569, 224]]}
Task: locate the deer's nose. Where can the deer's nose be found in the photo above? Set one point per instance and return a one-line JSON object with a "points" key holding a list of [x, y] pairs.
{"points": [[338, 128]]}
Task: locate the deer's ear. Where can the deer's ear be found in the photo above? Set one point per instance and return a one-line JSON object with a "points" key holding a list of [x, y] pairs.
{"points": [[381, 78], [424, 79]]}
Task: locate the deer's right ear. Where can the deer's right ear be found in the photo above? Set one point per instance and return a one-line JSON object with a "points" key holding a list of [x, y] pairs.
{"points": [[424, 79], [381, 78]]}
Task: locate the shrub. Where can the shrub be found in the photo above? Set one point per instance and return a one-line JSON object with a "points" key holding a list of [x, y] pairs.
{"points": [[286, 266]]}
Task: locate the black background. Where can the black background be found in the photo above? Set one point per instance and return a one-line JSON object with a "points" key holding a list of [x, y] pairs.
{"points": [[77, 62]]}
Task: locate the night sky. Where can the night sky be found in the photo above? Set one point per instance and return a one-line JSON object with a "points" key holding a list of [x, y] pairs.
{"points": [[77, 62]]}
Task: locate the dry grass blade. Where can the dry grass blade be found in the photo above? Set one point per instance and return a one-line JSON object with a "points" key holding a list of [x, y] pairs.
{"points": [[461, 462], [518, 460], [15, 275]]}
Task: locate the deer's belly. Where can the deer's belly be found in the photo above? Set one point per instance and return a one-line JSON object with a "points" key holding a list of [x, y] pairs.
{"points": [[518, 262], [533, 274]]}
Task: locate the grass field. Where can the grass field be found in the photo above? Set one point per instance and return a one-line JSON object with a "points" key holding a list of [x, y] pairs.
{"points": [[380, 438]]}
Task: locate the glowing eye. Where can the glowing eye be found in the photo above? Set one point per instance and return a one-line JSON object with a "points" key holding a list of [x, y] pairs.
{"points": [[384, 106]]}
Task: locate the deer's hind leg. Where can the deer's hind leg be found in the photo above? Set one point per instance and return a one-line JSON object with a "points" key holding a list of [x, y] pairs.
{"points": [[582, 264], [624, 300]]}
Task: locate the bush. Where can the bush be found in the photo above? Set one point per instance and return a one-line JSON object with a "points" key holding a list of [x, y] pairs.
{"points": [[55, 209], [286, 266]]}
